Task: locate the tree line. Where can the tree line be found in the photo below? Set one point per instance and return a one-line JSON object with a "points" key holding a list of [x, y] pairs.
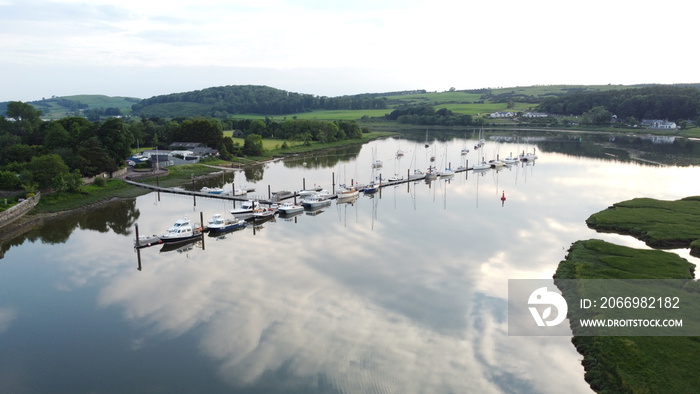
{"points": [[674, 103], [424, 114], [55, 155], [221, 102]]}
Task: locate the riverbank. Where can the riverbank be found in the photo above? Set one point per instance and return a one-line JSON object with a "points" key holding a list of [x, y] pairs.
{"points": [[644, 364]]}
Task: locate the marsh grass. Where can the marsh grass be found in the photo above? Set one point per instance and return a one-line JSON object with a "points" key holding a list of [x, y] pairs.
{"points": [[659, 223], [637, 364]]}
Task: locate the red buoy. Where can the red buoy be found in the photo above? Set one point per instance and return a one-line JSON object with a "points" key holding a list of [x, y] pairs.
{"points": [[503, 196]]}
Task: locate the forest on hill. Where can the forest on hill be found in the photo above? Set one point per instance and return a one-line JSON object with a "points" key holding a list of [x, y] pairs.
{"points": [[219, 102], [654, 102]]}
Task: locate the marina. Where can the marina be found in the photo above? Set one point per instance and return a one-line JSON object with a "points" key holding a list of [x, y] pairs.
{"points": [[400, 291]]}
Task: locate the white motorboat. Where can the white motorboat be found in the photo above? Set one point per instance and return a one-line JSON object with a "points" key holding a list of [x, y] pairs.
{"points": [[246, 209], [287, 208], [212, 190], [181, 230], [218, 224], [314, 202], [147, 240]]}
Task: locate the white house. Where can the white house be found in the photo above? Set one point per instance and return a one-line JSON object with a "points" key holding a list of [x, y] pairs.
{"points": [[500, 114], [659, 124], [535, 115]]}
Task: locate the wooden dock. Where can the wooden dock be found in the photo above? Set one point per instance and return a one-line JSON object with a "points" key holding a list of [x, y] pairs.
{"points": [[269, 199]]}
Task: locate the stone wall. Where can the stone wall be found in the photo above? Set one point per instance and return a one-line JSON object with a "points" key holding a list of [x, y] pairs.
{"points": [[15, 212], [116, 174]]}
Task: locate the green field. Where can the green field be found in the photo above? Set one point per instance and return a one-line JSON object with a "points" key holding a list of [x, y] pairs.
{"points": [[51, 108], [268, 143]]}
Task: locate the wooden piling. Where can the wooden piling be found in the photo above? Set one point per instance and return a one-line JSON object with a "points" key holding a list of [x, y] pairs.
{"points": [[201, 225], [138, 242]]}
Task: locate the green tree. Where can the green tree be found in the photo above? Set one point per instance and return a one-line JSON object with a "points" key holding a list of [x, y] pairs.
{"points": [[596, 115], [57, 137], [206, 131], [45, 169], [116, 139], [253, 145], [18, 153], [9, 181], [27, 121]]}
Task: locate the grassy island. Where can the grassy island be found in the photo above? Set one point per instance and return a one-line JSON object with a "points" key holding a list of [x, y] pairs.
{"points": [[660, 224], [638, 364]]}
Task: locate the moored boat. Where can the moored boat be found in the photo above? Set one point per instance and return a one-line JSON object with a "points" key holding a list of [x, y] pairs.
{"points": [[246, 209], [315, 202], [262, 214], [212, 190], [431, 174], [346, 193], [481, 166], [181, 230], [218, 224], [147, 240], [288, 208]]}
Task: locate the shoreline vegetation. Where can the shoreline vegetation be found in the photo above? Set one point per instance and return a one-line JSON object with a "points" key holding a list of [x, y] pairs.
{"points": [[57, 205], [637, 364]]}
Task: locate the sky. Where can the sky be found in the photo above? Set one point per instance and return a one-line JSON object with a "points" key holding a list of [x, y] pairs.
{"points": [[146, 48]]}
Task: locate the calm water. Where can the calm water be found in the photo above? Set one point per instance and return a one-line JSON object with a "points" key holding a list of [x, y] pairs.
{"points": [[405, 292]]}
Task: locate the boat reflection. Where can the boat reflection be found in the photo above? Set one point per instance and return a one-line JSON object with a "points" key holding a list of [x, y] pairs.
{"points": [[181, 247]]}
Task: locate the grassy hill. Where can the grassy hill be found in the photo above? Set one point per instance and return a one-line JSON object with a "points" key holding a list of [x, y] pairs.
{"points": [[61, 107], [209, 102]]}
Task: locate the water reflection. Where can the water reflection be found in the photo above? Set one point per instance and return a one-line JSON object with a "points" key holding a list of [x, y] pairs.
{"points": [[118, 217], [325, 159], [402, 292]]}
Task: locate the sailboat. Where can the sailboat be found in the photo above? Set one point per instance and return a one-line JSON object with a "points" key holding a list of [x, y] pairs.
{"points": [[399, 152], [482, 141], [464, 150], [447, 172]]}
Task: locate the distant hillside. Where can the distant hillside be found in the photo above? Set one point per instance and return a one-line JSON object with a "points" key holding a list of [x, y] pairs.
{"points": [[262, 101], [81, 105], [248, 99]]}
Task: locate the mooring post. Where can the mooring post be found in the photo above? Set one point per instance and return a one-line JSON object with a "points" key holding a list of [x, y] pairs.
{"points": [[201, 227], [269, 193], [194, 197], [138, 243], [333, 182], [303, 183]]}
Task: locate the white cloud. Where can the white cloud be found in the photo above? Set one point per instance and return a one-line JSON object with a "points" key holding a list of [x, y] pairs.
{"points": [[430, 45]]}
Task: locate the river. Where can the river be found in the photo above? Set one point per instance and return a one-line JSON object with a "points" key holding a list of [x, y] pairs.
{"points": [[403, 292]]}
